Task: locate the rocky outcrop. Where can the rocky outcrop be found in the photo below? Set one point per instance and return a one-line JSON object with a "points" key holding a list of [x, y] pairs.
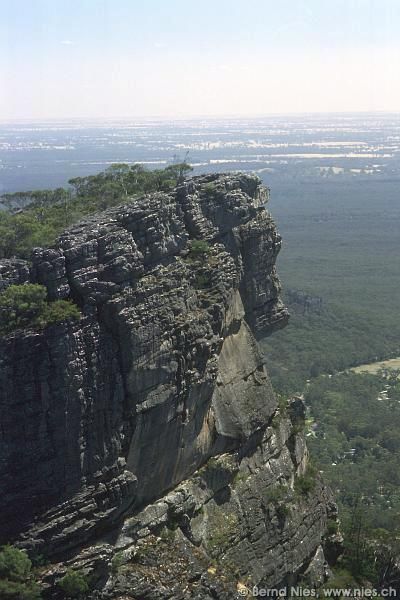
{"points": [[148, 433], [13, 272]]}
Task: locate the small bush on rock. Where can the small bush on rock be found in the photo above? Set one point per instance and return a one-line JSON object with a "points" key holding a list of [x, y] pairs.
{"points": [[199, 249], [74, 584], [210, 190], [25, 306], [305, 484], [332, 527], [58, 311]]}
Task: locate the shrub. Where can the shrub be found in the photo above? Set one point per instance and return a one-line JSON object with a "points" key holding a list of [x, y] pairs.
{"points": [[304, 484], [199, 249], [223, 527], [282, 403], [168, 533], [202, 281], [210, 190], [15, 590], [276, 493], [14, 564], [298, 427], [117, 561], [283, 511], [341, 578], [74, 584], [15, 572], [23, 306], [240, 476], [332, 527], [60, 310]]}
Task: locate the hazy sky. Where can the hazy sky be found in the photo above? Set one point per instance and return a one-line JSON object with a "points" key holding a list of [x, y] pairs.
{"points": [[123, 58]]}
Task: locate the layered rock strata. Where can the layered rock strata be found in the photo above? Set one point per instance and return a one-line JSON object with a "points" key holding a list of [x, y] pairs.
{"points": [[148, 432]]}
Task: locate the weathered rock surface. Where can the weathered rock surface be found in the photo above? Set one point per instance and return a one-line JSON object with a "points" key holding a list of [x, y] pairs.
{"points": [[144, 444], [13, 272]]}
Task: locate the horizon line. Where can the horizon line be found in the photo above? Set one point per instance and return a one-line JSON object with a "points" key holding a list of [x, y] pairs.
{"points": [[197, 116]]}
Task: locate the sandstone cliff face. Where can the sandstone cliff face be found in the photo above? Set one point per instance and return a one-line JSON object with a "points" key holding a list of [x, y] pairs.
{"points": [[144, 444]]}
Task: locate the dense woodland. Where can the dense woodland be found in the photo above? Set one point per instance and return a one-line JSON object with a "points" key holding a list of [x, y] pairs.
{"points": [[353, 433], [340, 244], [341, 281]]}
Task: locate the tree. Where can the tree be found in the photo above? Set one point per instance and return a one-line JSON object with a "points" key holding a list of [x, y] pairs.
{"points": [[24, 306], [119, 172], [15, 576], [58, 311], [21, 306], [7, 235], [179, 170], [14, 564]]}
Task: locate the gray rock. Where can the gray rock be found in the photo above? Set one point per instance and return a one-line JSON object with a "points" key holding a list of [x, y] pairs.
{"points": [[13, 271], [150, 419]]}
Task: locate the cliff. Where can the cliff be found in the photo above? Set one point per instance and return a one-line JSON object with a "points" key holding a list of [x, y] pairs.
{"points": [[144, 444]]}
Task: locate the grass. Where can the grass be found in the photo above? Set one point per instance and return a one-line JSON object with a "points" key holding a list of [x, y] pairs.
{"points": [[375, 367]]}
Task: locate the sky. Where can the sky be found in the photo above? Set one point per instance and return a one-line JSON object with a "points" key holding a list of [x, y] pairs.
{"points": [[180, 58]]}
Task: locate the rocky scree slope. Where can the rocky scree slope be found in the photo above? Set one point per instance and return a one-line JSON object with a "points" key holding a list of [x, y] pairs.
{"points": [[144, 445]]}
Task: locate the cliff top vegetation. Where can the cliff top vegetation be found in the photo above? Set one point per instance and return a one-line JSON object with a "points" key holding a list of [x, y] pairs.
{"points": [[35, 218]]}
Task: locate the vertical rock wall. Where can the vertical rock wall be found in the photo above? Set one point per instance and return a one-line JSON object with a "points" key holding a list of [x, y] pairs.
{"points": [[161, 386]]}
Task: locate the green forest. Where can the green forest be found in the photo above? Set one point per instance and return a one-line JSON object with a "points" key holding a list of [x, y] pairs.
{"points": [[353, 434], [340, 245], [341, 281]]}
